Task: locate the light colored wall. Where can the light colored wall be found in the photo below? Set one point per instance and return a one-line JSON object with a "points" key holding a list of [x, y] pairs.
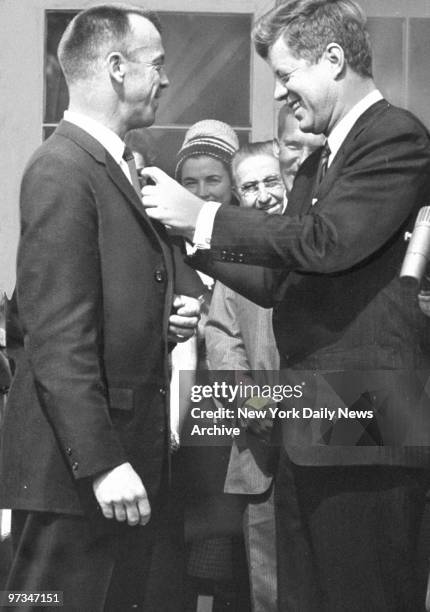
{"points": [[20, 115]]}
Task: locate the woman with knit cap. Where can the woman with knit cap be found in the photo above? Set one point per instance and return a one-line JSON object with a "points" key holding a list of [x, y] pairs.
{"points": [[203, 162], [203, 167]]}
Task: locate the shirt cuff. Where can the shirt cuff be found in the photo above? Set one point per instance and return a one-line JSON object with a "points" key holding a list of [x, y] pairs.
{"points": [[204, 225]]}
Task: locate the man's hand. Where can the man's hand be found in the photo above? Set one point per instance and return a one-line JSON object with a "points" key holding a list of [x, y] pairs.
{"points": [[122, 496], [169, 202], [183, 324]]}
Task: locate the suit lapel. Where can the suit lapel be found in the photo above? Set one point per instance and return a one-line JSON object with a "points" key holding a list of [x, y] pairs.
{"points": [[300, 199], [127, 189], [339, 159], [99, 153]]}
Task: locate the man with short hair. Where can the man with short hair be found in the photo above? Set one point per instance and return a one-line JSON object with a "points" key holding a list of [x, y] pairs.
{"points": [[349, 334], [84, 452]]}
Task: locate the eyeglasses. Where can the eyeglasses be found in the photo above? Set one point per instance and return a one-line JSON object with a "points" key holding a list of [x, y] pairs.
{"points": [[252, 188]]}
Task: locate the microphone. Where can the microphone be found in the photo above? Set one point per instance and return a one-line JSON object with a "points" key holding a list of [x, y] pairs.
{"points": [[418, 254]]}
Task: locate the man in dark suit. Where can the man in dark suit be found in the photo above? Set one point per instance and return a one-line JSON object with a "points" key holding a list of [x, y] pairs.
{"points": [[84, 452], [350, 491]]}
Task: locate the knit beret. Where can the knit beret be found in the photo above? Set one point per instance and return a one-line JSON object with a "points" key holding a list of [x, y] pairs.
{"points": [[208, 137]]}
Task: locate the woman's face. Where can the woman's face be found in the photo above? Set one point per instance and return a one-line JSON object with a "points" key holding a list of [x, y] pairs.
{"points": [[207, 178]]}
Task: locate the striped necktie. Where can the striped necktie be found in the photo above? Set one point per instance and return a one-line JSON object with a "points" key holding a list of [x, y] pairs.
{"points": [[321, 171], [323, 164], [129, 158]]}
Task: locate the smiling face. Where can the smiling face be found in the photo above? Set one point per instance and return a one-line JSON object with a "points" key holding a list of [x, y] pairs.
{"points": [[145, 77], [259, 183], [207, 178], [309, 89]]}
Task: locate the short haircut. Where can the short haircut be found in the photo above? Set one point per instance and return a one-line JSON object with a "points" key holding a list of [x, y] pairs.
{"points": [[94, 33], [308, 26], [250, 149]]}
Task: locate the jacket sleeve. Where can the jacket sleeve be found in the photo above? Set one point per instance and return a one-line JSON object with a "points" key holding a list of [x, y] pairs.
{"points": [[59, 295], [258, 284], [187, 281], [382, 181]]}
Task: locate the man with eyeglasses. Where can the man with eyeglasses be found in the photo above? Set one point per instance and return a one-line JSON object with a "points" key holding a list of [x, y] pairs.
{"points": [[239, 337], [84, 452], [347, 331], [257, 178]]}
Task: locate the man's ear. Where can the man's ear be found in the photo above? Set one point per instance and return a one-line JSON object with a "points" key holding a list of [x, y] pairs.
{"points": [[336, 56], [276, 148], [116, 66]]}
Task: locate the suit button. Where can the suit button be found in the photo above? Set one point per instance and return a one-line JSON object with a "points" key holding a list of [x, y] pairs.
{"points": [[69, 451], [162, 391], [159, 276], [75, 466]]}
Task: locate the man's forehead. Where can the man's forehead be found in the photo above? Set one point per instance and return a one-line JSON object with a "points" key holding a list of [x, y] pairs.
{"points": [[256, 167], [280, 55], [144, 35]]}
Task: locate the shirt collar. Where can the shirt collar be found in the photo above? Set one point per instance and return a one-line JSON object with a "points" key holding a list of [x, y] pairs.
{"points": [[106, 137], [342, 129]]}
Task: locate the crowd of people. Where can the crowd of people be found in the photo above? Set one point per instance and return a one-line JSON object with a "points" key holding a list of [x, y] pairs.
{"points": [[312, 505]]}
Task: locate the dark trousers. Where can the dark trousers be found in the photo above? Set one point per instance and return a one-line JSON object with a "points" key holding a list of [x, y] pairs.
{"points": [[97, 570], [347, 537]]}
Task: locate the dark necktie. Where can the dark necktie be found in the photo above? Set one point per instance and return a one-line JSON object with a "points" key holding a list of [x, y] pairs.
{"points": [[322, 167], [129, 158]]}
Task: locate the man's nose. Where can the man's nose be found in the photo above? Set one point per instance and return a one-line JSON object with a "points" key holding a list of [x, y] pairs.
{"points": [[281, 91], [263, 195]]}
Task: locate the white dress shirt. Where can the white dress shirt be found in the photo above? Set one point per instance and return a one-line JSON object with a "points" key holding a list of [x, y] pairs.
{"points": [[205, 220], [340, 131]]}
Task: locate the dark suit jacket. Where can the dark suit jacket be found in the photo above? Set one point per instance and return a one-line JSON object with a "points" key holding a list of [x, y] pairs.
{"points": [[334, 285], [95, 280]]}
